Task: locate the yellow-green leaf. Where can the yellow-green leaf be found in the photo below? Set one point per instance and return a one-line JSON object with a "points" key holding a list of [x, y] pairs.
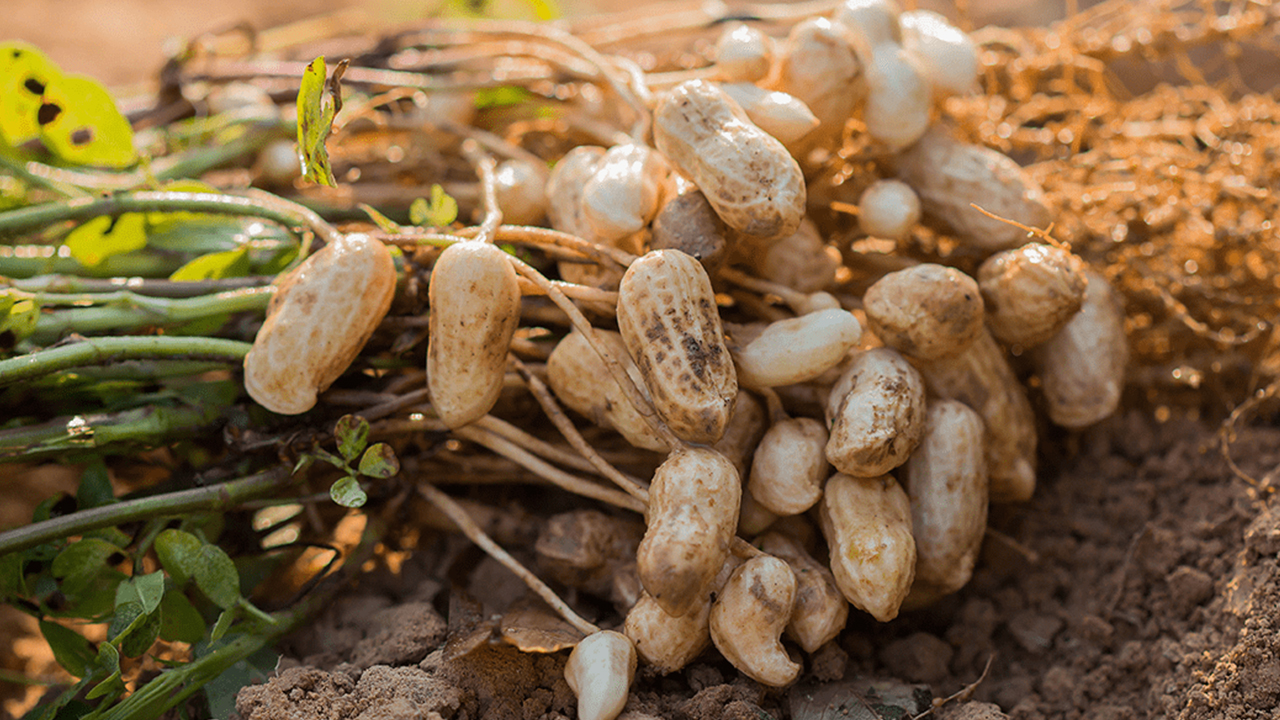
{"points": [[215, 266], [102, 237], [25, 73], [79, 122], [440, 211], [318, 102]]}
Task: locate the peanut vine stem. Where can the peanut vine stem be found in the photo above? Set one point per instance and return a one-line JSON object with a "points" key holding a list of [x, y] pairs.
{"points": [[100, 351]]}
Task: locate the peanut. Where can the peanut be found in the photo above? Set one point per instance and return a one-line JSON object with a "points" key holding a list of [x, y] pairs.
{"points": [[980, 377], [749, 616], [876, 411], [870, 23], [693, 510], [781, 115], [582, 381], [599, 671], [1082, 367], [621, 197], [898, 97], [950, 176], [669, 321], [867, 524], [743, 54], [689, 224], [321, 316], [817, 66], [790, 466], [521, 191], [799, 261], [797, 349], [888, 209], [949, 57], [821, 611], [748, 176], [747, 424], [475, 309], [1031, 292], [564, 189], [666, 642], [946, 479], [926, 312]]}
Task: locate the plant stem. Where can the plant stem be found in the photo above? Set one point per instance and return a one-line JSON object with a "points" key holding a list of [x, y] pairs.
{"points": [[126, 310], [261, 205], [212, 498], [147, 425], [150, 287], [99, 351]]}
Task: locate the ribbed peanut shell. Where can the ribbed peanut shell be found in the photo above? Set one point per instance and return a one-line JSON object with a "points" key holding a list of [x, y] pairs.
{"points": [[475, 309], [927, 311], [946, 479], [581, 380], [1031, 292], [980, 377], [750, 179], [877, 412], [669, 321], [321, 316], [693, 512], [867, 524], [1082, 367], [951, 176]]}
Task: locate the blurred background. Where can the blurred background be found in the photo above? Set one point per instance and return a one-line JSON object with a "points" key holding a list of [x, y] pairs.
{"points": [[123, 42]]}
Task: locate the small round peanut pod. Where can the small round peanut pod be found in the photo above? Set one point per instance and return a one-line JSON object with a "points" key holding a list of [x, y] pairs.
{"points": [[748, 176], [621, 197], [1031, 292], [669, 321], [877, 413], [743, 54], [599, 672], [475, 309], [665, 641], [888, 209], [898, 97], [321, 316], [521, 192], [564, 189], [867, 524], [821, 610], [582, 381], [946, 478], [749, 616], [747, 424], [817, 66], [926, 312], [948, 55], [870, 22], [790, 466], [693, 512], [797, 349], [799, 261], [1082, 367]]}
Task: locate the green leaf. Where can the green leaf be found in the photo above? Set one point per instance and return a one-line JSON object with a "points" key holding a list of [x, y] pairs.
{"points": [[352, 432], [318, 102], [95, 486], [348, 493], [12, 575], [72, 651], [379, 461], [25, 73], [440, 211], [146, 590], [215, 266], [179, 619], [223, 624], [83, 558], [133, 629], [20, 313], [107, 664], [79, 122], [178, 552], [105, 236], [128, 614], [216, 576], [384, 223], [498, 97]]}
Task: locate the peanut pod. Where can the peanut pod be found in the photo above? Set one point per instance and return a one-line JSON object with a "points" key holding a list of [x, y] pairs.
{"points": [[876, 411], [749, 616], [867, 524]]}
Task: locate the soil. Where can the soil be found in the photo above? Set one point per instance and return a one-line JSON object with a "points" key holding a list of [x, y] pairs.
{"points": [[1141, 582]]}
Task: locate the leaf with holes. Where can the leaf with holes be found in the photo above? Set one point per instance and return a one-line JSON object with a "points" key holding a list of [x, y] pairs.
{"points": [[25, 73], [102, 237], [318, 102], [79, 122]]}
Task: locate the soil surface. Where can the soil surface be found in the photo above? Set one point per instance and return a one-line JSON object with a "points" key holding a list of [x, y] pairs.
{"points": [[1141, 582]]}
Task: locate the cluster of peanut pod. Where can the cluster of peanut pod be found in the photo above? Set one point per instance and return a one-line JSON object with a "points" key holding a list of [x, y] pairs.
{"points": [[877, 428]]}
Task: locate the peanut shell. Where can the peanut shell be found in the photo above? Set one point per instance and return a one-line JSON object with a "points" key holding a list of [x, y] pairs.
{"points": [[867, 524]]}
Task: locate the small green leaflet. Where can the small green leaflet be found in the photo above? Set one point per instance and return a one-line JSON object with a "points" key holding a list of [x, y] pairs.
{"points": [[379, 461], [318, 102], [348, 493], [186, 558], [440, 211]]}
